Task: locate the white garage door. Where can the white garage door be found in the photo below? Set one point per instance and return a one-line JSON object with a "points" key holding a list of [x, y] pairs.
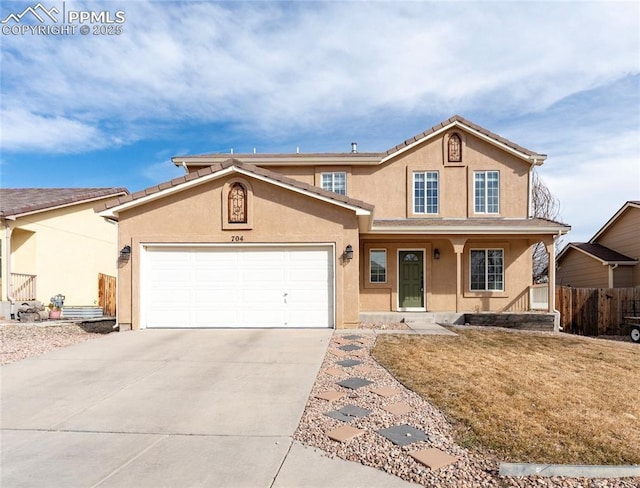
{"points": [[237, 287]]}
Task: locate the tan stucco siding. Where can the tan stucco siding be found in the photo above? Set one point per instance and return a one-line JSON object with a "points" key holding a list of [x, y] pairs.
{"points": [[66, 248], [389, 186], [624, 237], [579, 270], [440, 276], [279, 216]]}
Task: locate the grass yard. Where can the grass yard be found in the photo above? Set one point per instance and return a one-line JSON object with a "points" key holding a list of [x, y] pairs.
{"points": [[527, 397]]}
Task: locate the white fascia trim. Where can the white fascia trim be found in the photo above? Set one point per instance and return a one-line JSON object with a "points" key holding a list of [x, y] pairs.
{"points": [[530, 159], [113, 212], [611, 221], [281, 161], [466, 230]]}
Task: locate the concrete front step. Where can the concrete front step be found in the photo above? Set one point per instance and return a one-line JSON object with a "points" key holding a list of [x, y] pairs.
{"points": [[412, 318]]}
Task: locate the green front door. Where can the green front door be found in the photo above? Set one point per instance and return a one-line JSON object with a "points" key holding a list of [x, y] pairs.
{"points": [[411, 285]]}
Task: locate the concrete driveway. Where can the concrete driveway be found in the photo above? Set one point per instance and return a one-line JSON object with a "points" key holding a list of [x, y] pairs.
{"points": [[174, 408]]}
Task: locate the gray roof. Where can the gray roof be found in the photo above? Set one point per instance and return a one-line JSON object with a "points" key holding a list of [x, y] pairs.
{"points": [[214, 168], [381, 155], [601, 252], [18, 201]]}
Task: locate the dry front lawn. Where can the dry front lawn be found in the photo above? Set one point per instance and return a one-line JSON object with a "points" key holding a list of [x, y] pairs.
{"points": [[527, 397]]}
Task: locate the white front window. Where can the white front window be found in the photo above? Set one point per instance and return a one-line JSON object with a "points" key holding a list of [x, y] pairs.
{"points": [[335, 182], [378, 266], [425, 192], [487, 270], [486, 191]]}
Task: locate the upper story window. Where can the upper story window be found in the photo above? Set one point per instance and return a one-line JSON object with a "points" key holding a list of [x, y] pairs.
{"points": [[486, 191], [237, 205], [335, 182], [454, 149], [378, 266], [487, 270], [425, 192]]}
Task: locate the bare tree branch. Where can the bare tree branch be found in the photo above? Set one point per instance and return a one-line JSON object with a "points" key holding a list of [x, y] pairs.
{"points": [[546, 206]]}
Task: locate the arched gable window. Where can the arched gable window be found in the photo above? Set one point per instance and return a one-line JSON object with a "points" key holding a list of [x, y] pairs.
{"points": [[455, 148], [237, 204]]}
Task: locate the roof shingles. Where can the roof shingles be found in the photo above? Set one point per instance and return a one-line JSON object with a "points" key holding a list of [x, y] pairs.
{"points": [[18, 201]]}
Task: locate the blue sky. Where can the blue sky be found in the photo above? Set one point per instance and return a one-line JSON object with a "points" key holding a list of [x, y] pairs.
{"points": [[560, 78]]}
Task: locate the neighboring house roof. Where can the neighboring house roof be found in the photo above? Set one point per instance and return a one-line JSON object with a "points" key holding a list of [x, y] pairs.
{"points": [[599, 252], [214, 171], [372, 158], [15, 202], [610, 222], [469, 226]]}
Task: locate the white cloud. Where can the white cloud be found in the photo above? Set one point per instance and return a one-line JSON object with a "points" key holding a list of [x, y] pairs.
{"points": [[275, 67], [25, 130]]}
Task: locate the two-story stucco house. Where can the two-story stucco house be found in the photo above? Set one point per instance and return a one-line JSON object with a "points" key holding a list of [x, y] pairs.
{"points": [[440, 222], [610, 258]]}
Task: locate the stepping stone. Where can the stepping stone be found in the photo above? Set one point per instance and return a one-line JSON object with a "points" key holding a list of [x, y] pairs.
{"points": [[386, 391], [350, 347], [354, 383], [352, 337], [403, 435], [330, 395], [433, 458], [354, 411], [399, 408], [348, 363], [366, 369], [344, 433], [334, 371], [348, 413]]}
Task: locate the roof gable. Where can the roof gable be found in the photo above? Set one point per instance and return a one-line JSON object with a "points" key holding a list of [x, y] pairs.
{"points": [[216, 171], [614, 219], [15, 202], [460, 122]]}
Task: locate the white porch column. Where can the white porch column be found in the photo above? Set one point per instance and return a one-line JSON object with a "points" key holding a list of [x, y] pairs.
{"points": [[458, 248], [551, 251]]}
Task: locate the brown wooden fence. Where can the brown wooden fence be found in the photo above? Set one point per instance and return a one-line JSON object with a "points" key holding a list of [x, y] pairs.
{"points": [[596, 311], [107, 294]]}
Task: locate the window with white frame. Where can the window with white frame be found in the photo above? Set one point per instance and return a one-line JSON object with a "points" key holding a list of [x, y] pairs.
{"points": [[378, 266], [486, 190], [335, 182], [425, 192], [487, 270]]}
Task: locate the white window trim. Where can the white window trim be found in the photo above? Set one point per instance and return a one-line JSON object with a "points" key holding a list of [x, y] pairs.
{"points": [[486, 249], [386, 265], [486, 189], [413, 193], [333, 173]]}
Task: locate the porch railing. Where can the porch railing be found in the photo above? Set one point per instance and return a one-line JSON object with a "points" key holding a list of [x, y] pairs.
{"points": [[539, 297], [23, 287]]}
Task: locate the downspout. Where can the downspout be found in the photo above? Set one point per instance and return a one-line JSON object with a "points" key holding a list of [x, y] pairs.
{"points": [[612, 268]]}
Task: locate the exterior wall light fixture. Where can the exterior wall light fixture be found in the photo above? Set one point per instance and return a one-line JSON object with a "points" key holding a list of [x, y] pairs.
{"points": [[436, 253], [125, 253], [348, 253]]}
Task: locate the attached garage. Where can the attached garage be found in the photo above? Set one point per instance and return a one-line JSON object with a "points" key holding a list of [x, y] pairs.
{"points": [[199, 286]]}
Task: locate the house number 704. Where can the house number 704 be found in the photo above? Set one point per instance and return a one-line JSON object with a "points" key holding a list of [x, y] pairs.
{"points": [[237, 238]]}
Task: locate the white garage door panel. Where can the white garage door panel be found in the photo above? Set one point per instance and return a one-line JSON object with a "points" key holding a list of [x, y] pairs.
{"points": [[237, 287]]}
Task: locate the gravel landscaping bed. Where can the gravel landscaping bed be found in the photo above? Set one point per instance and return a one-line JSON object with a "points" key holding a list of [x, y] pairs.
{"points": [[20, 341], [470, 470]]}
